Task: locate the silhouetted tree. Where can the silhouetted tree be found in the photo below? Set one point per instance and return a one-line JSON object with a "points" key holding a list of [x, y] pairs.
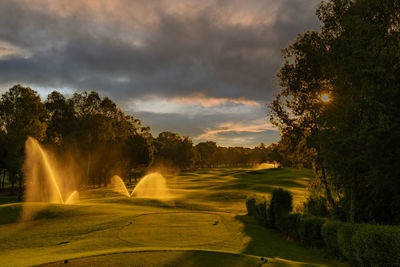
{"points": [[354, 59], [22, 114]]}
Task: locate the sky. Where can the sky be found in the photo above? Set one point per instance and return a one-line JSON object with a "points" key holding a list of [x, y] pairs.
{"points": [[202, 68]]}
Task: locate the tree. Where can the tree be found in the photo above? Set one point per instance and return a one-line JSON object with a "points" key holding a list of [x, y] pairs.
{"points": [[22, 114], [353, 59], [206, 152], [172, 149]]}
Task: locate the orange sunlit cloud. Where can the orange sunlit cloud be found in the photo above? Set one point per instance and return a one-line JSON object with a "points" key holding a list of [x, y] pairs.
{"points": [[234, 13], [191, 104], [212, 101], [255, 126], [7, 50]]}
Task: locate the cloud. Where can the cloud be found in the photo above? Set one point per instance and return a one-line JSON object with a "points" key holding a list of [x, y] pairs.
{"points": [[191, 105], [190, 64], [136, 48], [8, 51], [212, 101], [226, 127]]}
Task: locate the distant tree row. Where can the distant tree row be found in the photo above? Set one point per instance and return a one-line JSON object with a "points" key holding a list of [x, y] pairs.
{"points": [[171, 149], [100, 139], [340, 100]]}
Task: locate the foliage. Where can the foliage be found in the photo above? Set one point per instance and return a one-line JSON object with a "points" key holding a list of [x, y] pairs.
{"points": [[293, 224], [364, 245], [344, 239], [354, 136], [257, 206], [377, 245], [281, 205], [101, 139], [316, 205], [329, 234], [251, 205], [309, 230], [22, 114]]}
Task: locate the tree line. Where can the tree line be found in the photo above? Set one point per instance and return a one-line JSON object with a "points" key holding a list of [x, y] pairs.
{"points": [[100, 139], [340, 104]]}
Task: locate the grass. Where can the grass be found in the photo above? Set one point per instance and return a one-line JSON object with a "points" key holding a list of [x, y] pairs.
{"points": [[204, 225]]}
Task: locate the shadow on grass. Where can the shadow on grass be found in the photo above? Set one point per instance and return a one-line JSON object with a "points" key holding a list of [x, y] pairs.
{"points": [[204, 258], [164, 258], [269, 243]]}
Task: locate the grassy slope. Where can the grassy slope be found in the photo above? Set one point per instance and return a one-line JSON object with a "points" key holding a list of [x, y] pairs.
{"points": [[204, 225]]}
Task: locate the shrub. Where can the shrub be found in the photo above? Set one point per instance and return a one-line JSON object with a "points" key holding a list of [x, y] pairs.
{"points": [[281, 205], [329, 234], [316, 205], [257, 206], [251, 205], [292, 225], [344, 236], [377, 245], [261, 210], [309, 230], [282, 222]]}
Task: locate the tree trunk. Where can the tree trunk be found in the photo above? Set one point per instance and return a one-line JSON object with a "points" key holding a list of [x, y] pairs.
{"points": [[88, 168], [3, 178], [12, 178], [105, 172], [20, 187], [352, 211], [327, 189]]}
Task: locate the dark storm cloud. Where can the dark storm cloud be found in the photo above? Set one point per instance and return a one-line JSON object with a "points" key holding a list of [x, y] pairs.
{"points": [[200, 68], [222, 49]]}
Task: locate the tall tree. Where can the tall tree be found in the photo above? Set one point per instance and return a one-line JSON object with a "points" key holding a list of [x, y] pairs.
{"points": [[354, 60], [22, 114]]}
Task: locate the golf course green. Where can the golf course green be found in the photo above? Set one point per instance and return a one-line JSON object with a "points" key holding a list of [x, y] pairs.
{"points": [[204, 223]]}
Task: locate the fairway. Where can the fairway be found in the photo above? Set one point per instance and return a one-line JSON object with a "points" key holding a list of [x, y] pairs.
{"points": [[203, 224]]}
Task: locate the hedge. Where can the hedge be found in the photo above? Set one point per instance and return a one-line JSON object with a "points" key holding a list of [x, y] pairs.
{"points": [[257, 206], [293, 225], [329, 234], [251, 205], [309, 230], [281, 205], [362, 245], [376, 246], [344, 238]]}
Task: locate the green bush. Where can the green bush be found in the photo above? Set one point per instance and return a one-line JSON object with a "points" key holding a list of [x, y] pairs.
{"points": [[261, 210], [282, 223], [316, 205], [329, 234], [377, 245], [292, 225], [281, 205], [344, 239], [258, 206], [309, 230], [251, 205]]}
